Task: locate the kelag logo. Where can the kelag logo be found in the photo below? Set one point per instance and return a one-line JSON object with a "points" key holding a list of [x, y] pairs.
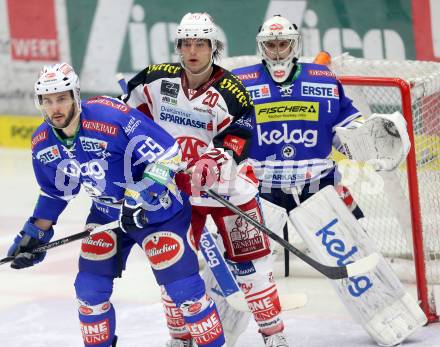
{"points": [[33, 30]]}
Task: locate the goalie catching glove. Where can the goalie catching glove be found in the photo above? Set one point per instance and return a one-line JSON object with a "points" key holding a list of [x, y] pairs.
{"points": [[153, 200], [29, 238], [382, 141]]}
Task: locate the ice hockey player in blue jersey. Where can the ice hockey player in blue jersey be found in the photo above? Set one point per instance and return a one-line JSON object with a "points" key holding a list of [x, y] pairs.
{"points": [[126, 163], [297, 107]]}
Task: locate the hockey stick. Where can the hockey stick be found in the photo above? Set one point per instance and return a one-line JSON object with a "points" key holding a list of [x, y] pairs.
{"points": [[67, 239], [358, 267], [226, 280]]}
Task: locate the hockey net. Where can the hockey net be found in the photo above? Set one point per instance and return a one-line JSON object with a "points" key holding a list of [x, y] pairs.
{"points": [[402, 208]]}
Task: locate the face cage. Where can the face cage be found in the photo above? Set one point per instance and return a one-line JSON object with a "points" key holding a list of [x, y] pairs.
{"points": [[294, 45]]}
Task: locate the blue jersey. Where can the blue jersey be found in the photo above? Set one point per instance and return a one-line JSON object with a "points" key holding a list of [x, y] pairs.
{"points": [[112, 147], [294, 124]]}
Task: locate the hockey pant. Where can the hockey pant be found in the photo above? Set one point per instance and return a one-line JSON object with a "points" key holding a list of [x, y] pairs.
{"points": [[175, 266], [247, 248]]}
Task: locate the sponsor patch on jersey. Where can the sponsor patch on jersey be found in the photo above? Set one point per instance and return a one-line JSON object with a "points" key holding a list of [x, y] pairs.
{"points": [[168, 100], [133, 123], [110, 103], [320, 90], [249, 76], [96, 333], [99, 246], [307, 137], [169, 89], [100, 127], [40, 137], [181, 117], [260, 91], [191, 147], [48, 154], [235, 143], [163, 249], [90, 144], [287, 111], [319, 73], [237, 90]]}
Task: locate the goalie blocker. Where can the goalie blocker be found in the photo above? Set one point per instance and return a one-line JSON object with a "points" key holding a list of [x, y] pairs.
{"points": [[376, 300]]}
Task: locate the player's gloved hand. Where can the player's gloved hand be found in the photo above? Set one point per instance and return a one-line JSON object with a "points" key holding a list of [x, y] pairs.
{"points": [[147, 202], [209, 168], [30, 237]]}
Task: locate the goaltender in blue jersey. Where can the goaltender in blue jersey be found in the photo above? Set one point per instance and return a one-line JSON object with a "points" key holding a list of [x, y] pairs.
{"points": [[297, 107]]}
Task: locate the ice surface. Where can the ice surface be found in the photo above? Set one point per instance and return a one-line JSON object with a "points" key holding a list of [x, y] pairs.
{"points": [[38, 307]]}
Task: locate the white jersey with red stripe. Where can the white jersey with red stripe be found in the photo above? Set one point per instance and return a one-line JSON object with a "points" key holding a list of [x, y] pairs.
{"points": [[217, 114]]}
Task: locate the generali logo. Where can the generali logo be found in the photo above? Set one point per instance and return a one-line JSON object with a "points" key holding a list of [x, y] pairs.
{"points": [[163, 249], [33, 30]]}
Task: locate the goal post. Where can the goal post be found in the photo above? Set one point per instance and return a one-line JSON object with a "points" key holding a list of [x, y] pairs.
{"points": [[402, 215]]}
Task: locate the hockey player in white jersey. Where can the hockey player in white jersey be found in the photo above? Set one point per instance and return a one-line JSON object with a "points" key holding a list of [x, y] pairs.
{"points": [[301, 111], [209, 112]]}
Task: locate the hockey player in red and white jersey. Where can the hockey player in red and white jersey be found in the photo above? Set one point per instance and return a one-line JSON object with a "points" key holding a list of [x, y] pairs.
{"points": [[209, 112]]}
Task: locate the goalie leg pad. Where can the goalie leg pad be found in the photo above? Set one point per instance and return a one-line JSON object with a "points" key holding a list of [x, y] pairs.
{"points": [[96, 313], [377, 300]]}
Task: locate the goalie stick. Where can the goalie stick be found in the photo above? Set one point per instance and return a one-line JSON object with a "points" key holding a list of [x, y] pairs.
{"points": [[226, 281], [67, 239], [333, 272]]}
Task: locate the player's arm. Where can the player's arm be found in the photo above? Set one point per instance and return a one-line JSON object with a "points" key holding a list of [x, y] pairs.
{"points": [[38, 229], [156, 156]]}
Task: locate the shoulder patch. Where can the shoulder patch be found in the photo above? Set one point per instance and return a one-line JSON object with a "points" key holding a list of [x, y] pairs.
{"points": [[319, 73], [249, 76], [39, 137], [110, 103]]}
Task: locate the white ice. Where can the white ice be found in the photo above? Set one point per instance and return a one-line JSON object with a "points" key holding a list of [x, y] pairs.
{"points": [[38, 307]]}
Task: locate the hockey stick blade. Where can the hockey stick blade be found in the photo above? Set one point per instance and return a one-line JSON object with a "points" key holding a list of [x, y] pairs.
{"points": [[363, 265], [67, 239], [332, 272], [288, 302]]}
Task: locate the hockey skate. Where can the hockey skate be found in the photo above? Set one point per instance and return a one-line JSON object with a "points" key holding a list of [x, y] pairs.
{"points": [[275, 340], [180, 343]]}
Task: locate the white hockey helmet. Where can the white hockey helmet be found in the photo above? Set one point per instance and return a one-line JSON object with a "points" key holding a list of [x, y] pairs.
{"points": [[198, 26], [54, 79], [279, 28]]}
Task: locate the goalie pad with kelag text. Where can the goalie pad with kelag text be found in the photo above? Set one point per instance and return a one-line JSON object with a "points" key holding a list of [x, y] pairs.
{"points": [[377, 300]]}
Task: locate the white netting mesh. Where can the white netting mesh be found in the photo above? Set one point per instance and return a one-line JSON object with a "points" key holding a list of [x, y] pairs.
{"points": [[384, 198]]}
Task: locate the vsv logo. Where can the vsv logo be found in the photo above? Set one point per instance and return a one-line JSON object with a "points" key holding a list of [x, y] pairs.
{"points": [[336, 248]]}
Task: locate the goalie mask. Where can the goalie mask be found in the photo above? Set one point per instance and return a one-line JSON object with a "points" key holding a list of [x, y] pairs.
{"points": [[278, 43], [198, 26], [55, 79]]}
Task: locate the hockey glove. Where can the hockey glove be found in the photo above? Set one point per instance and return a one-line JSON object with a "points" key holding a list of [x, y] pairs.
{"points": [[148, 202], [29, 238], [210, 168]]}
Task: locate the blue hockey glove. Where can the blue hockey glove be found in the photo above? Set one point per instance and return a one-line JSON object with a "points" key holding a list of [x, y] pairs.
{"points": [[148, 202], [30, 237]]}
